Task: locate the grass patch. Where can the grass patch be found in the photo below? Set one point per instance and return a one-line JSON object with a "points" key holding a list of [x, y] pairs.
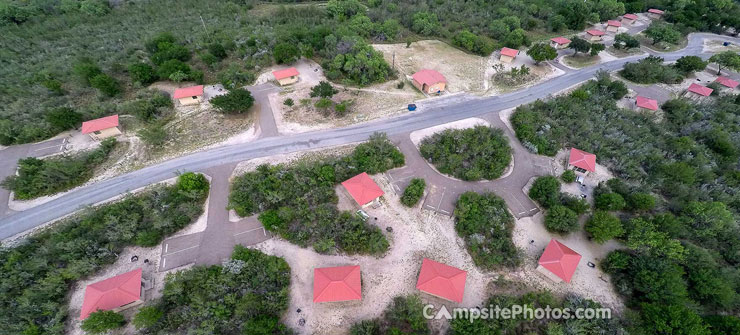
{"points": [[621, 53], [38, 273], [40, 177], [486, 225], [470, 154], [581, 60], [299, 202], [662, 46]]}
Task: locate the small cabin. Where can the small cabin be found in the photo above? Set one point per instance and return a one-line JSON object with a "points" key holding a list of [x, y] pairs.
{"points": [[655, 13], [286, 76], [429, 81], [508, 55], [102, 128], [559, 42], [192, 95], [594, 35], [629, 19], [646, 104], [696, 91], [612, 26]]}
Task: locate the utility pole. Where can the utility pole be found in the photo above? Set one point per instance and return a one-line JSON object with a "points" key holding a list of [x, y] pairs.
{"points": [[394, 59], [204, 24]]}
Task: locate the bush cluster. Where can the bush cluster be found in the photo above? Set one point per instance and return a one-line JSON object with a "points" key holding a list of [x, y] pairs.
{"points": [[404, 315], [413, 192]]}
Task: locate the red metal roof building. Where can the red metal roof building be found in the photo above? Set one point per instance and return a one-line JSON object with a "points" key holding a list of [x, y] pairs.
{"points": [[647, 103], [582, 160], [363, 189], [112, 293], [99, 124], [595, 32], [442, 280], [559, 260], [429, 81], [630, 16], [285, 73], [509, 52], [188, 92], [560, 40], [727, 82], [700, 90], [340, 283], [655, 11], [614, 23]]}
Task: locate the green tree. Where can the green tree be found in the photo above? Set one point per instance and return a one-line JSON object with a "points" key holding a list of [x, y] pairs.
{"points": [[413, 192], [662, 32], [105, 84], [147, 316], [728, 59], [192, 182], [568, 176], [643, 236], [596, 48], [142, 73], [640, 202], [166, 69], [154, 134], [542, 52], [603, 226], [286, 53], [672, 319], [560, 219], [217, 50], [86, 70], [63, 118], [610, 202], [425, 23], [579, 45], [625, 40], [102, 321], [237, 101], [323, 90], [546, 191], [690, 64], [344, 9]]}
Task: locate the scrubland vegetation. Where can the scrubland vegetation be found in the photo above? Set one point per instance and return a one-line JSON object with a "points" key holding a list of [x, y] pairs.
{"points": [[38, 273], [403, 316]]}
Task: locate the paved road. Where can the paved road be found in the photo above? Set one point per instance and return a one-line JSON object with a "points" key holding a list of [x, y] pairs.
{"points": [[11, 155], [422, 118], [265, 117]]}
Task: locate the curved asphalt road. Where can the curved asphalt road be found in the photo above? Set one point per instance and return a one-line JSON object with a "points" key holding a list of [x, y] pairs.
{"points": [[426, 117]]}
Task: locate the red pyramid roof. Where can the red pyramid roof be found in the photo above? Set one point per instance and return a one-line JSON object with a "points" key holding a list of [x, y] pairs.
{"points": [[362, 188], [100, 124], [648, 103], [630, 16], [338, 283], [285, 73], [442, 280], [111, 293], [429, 77], [186, 92], [509, 52], [582, 159], [560, 40], [701, 90], [560, 260], [727, 82], [595, 32]]}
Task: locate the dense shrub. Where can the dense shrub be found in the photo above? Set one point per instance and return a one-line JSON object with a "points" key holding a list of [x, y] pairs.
{"points": [[413, 192], [640, 202], [546, 191], [101, 322], [403, 316], [299, 202], [568, 176], [650, 70], [245, 294], [469, 154], [476, 44], [237, 101], [142, 73], [147, 316], [610, 202], [63, 118], [561, 219], [40, 271], [484, 222], [603, 226], [40, 177], [323, 89]]}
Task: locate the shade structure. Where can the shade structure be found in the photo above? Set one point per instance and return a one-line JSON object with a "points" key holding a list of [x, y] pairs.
{"points": [[442, 280], [509, 52], [595, 32], [339, 283], [186, 92], [655, 11], [285, 73], [560, 260], [100, 124], [647, 103], [429, 77], [362, 188], [112, 293], [727, 82], [582, 159], [701, 90], [614, 23], [560, 40], [630, 16]]}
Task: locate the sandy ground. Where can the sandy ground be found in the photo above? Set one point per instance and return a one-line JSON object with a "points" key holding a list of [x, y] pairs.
{"points": [[463, 71], [538, 73], [367, 103], [702, 78], [419, 135], [416, 234], [716, 46]]}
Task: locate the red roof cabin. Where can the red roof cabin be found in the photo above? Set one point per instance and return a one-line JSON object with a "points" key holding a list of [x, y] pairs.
{"points": [[727, 82], [629, 18], [655, 13], [113, 294], [363, 189], [559, 42], [594, 35], [189, 95], [699, 90], [429, 81], [612, 26], [101, 128], [286, 76], [582, 161], [508, 55], [339, 283], [442, 280], [646, 103], [558, 262]]}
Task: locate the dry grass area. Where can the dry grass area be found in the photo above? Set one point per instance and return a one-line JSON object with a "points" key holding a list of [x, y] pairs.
{"points": [[463, 71], [621, 53], [499, 79], [662, 46], [366, 103], [717, 46]]}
